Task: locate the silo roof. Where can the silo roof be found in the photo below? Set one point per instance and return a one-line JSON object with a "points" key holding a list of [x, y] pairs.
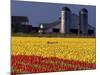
{"points": [[66, 9], [84, 10]]}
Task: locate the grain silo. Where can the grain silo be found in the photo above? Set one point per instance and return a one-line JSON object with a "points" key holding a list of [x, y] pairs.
{"points": [[83, 21], [65, 20]]}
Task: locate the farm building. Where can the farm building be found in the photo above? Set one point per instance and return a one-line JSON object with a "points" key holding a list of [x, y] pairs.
{"points": [[69, 23], [21, 24]]}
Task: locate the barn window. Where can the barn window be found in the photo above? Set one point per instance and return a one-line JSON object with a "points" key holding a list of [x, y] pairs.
{"points": [[90, 32], [56, 30], [75, 31]]}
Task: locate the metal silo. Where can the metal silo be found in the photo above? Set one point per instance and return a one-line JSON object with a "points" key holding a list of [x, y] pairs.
{"points": [[83, 21], [65, 20]]}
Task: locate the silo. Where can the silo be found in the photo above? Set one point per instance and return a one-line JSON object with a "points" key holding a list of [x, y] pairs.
{"points": [[83, 21], [65, 20]]}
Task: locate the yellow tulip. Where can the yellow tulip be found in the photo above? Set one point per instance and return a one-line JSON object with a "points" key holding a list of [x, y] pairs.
{"points": [[81, 49]]}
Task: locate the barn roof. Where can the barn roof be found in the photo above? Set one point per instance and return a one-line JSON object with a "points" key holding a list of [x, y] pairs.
{"points": [[74, 23]]}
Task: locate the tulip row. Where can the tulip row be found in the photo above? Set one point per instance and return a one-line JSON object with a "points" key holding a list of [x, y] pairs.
{"points": [[80, 49], [38, 64]]}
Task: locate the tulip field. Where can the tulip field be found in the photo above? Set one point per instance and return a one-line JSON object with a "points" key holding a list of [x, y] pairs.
{"points": [[52, 54]]}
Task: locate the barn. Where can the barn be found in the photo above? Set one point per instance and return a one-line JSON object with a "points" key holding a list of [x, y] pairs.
{"points": [[69, 23]]}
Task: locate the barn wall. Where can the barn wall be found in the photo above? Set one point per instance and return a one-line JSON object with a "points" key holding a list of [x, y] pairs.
{"points": [[50, 30]]}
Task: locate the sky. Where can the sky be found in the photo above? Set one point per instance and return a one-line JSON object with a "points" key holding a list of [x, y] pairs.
{"points": [[39, 12]]}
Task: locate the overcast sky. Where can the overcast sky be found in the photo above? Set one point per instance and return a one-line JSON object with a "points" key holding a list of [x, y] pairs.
{"points": [[47, 12]]}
